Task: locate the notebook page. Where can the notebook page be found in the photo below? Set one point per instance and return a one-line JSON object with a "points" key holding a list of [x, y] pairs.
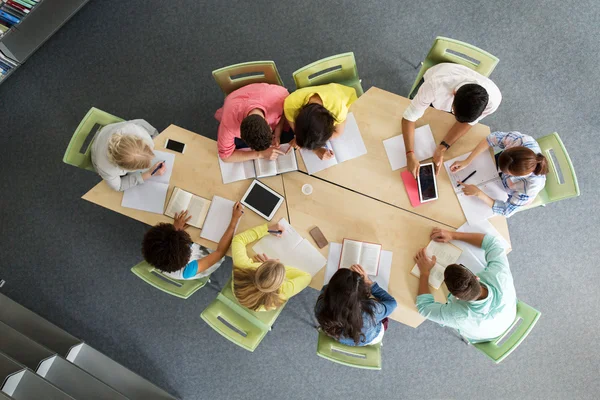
{"points": [[385, 265], [436, 275], [350, 144], [233, 172], [484, 165], [286, 163], [305, 257], [218, 219], [350, 253], [314, 164], [149, 196], [265, 167], [198, 209], [169, 159], [180, 199], [277, 247], [424, 147], [369, 258]]}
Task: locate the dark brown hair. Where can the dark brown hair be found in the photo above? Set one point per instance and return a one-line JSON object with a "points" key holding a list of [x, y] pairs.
{"points": [[462, 283], [314, 126], [519, 161], [344, 301], [166, 248], [256, 132], [469, 102]]}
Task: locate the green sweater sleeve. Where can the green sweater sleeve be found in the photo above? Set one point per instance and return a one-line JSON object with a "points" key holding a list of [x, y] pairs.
{"points": [[239, 243]]}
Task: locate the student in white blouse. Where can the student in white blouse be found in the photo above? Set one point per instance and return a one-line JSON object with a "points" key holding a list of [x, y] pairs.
{"points": [[122, 150], [454, 88]]}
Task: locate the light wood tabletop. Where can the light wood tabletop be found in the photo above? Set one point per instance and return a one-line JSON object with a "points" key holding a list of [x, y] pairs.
{"points": [[379, 117], [197, 171]]}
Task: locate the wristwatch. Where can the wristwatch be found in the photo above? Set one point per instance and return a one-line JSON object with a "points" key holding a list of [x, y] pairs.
{"points": [[446, 145]]}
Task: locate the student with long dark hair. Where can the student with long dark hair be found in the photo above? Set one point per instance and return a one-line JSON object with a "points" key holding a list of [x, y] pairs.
{"points": [[353, 309], [523, 168]]}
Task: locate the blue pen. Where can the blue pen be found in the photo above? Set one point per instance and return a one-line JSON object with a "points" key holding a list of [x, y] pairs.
{"points": [[276, 232], [159, 167]]}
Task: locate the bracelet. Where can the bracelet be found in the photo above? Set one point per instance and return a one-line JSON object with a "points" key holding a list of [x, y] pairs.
{"points": [[410, 151]]}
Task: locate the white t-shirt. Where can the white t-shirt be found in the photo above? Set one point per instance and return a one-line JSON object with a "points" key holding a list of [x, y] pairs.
{"points": [[441, 83], [190, 271]]}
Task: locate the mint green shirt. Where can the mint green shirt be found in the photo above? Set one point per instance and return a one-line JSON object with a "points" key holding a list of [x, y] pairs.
{"points": [[479, 320]]}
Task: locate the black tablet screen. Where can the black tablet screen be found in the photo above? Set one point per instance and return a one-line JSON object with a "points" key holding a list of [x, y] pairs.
{"points": [[262, 200], [427, 182]]}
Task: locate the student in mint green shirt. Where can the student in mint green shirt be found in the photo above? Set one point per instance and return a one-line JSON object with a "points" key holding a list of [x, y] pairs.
{"points": [[481, 307]]}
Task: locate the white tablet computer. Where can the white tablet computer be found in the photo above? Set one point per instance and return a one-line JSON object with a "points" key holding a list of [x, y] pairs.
{"points": [[426, 183], [262, 200]]}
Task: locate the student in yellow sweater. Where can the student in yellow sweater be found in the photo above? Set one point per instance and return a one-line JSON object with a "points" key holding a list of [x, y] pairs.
{"points": [[263, 284], [317, 114]]}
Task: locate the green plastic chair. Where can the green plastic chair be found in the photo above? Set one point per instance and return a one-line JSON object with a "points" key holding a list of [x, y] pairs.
{"points": [[454, 51], [236, 323], [91, 124], [498, 352], [340, 68], [235, 76], [179, 288], [561, 181], [365, 357]]}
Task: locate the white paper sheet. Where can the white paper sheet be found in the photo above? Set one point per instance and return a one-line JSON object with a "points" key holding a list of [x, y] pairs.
{"points": [[484, 227], [169, 158], [385, 265], [424, 147], [217, 219], [313, 163], [233, 172], [150, 196]]}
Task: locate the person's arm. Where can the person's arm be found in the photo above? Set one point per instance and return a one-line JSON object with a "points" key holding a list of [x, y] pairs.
{"points": [[241, 240], [511, 205], [425, 96], [385, 299], [455, 133], [495, 254], [152, 131], [338, 129], [425, 264], [480, 148], [472, 190], [444, 236], [296, 280], [436, 312], [242, 155], [277, 132], [408, 135]]}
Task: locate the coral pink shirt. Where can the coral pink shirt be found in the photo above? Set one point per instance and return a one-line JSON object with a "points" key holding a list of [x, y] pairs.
{"points": [[267, 98]]}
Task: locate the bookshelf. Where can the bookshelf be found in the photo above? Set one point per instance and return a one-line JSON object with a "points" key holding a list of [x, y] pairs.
{"points": [[26, 25]]}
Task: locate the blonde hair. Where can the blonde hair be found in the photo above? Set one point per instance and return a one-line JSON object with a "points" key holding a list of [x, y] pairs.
{"points": [[129, 152], [258, 287]]}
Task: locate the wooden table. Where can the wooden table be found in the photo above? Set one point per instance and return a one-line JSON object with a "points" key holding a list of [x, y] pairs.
{"points": [[196, 171]]}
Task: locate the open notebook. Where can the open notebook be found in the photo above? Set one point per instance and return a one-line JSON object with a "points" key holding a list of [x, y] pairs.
{"points": [[424, 147], [291, 249], [217, 219], [196, 206], [446, 254], [346, 147], [385, 265], [363, 253], [151, 195], [486, 178], [259, 168]]}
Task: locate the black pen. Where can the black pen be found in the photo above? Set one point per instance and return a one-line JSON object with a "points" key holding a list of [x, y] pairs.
{"points": [[275, 232], [470, 175], [157, 168]]}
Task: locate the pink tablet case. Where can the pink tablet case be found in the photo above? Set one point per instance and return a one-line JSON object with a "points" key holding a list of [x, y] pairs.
{"points": [[410, 184]]}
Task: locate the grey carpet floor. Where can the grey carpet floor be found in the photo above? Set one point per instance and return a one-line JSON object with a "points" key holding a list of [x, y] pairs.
{"points": [[69, 260]]}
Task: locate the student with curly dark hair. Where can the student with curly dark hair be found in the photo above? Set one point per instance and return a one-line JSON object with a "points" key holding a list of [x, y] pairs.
{"points": [[352, 309], [169, 248]]}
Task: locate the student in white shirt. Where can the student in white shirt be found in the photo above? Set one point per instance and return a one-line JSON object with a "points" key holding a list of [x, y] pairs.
{"points": [[454, 88], [122, 150]]}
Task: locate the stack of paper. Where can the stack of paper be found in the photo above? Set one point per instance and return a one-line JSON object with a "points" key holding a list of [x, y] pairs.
{"points": [[445, 254], [218, 219], [346, 147], [151, 195], [385, 265], [291, 249], [424, 147], [259, 168]]}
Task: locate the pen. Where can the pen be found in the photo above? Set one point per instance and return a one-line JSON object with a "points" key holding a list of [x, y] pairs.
{"points": [[276, 232], [470, 175], [159, 167]]}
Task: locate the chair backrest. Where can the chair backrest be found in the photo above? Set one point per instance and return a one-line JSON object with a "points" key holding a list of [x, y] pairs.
{"points": [[78, 152], [340, 68], [366, 357], [179, 288], [235, 76], [232, 325], [561, 181], [499, 348], [454, 51]]}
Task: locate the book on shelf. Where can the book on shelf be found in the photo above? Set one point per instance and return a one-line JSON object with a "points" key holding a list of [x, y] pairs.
{"points": [[196, 206], [259, 168], [364, 254], [446, 254]]}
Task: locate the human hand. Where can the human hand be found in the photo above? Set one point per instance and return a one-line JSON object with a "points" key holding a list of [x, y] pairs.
{"points": [[276, 227], [471, 190], [458, 165], [413, 164], [261, 258], [441, 235], [324, 153], [271, 153], [438, 158], [359, 270], [293, 145], [163, 168], [238, 211], [276, 138], [181, 220], [424, 263]]}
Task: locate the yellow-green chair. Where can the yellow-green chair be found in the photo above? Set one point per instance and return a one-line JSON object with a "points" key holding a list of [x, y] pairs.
{"points": [[365, 357], [179, 288], [340, 68], [561, 181], [499, 348], [79, 152], [235, 76], [446, 50]]}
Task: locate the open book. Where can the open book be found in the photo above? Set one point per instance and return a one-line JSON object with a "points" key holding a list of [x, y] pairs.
{"points": [[446, 254], [291, 249], [486, 178], [218, 219], [363, 253], [346, 147], [259, 168], [424, 147], [196, 206], [333, 262]]}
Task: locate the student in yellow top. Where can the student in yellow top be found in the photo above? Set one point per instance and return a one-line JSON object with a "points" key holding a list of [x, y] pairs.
{"points": [[317, 114], [263, 284]]}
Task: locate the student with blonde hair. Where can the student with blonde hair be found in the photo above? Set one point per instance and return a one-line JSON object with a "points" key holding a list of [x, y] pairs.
{"points": [[263, 284], [121, 151]]}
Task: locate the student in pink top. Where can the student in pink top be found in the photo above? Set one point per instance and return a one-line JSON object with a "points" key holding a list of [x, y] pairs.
{"points": [[251, 117]]}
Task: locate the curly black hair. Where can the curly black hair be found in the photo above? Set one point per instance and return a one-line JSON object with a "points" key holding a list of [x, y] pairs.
{"points": [[314, 126], [256, 132], [166, 248]]}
